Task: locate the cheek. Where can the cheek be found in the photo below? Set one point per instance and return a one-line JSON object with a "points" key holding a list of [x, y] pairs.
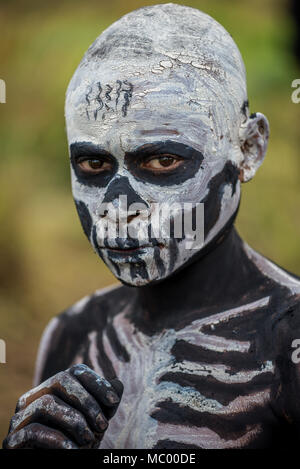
{"points": [[191, 190], [223, 184], [85, 217], [87, 201]]}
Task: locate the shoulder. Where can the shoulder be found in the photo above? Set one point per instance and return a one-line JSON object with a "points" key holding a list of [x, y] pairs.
{"points": [[282, 289], [66, 333], [275, 274], [286, 325]]}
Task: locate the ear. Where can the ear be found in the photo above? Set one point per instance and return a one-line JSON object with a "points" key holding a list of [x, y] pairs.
{"points": [[254, 135]]}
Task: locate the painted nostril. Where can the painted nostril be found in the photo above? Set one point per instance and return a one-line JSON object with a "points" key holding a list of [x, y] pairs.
{"points": [[104, 214], [130, 218]]}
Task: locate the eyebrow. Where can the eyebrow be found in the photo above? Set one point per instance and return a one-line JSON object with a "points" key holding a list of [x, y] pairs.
{"points": [[166, 146], [87, 149]]}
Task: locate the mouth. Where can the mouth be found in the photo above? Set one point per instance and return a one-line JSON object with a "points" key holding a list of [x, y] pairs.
{"points": [[128, 246], [127, 255], [130, 254], [126, 250]]}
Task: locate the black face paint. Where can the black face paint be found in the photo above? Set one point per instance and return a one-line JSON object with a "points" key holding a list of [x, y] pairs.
{"points": [[85, 217], [139, 270], [212, 201], [245, 108], [204, 355], [173, 254], [99, 101], [121, 186], [87, 150], [192, 160], [159, 263], [95, 242]]}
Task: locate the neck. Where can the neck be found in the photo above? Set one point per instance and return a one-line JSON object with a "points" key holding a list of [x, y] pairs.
{"points": [[221, 276]]}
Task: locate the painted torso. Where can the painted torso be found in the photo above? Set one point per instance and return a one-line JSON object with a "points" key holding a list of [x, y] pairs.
{"points": [[193, 386], [211, 380]]}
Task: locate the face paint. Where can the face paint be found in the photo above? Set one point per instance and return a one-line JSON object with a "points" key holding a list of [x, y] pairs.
{"points": [[153, 113]]}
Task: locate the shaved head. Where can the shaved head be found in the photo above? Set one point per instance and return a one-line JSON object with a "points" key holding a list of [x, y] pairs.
{"points": [[172, 55], [169, 80]]}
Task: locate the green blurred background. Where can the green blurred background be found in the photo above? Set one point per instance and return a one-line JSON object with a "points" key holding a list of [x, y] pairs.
{"points": [[46, 262]]}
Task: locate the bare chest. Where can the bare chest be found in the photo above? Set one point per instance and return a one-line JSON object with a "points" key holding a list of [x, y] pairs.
{"points": [[191, 387]]}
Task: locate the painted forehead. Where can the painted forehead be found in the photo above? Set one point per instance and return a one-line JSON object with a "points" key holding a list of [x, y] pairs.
{"points": [[122, 118], [133, 74], [122, 114]]}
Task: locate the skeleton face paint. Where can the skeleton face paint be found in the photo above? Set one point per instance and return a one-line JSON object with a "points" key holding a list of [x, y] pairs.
{"points": [[153, 113]]}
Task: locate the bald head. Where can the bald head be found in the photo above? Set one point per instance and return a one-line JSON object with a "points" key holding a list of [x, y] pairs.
{"points": [[172, 56], [170, 79]]}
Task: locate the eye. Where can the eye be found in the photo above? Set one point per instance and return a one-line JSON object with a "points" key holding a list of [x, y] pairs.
{"points": [[93, 165], [162, 163]]}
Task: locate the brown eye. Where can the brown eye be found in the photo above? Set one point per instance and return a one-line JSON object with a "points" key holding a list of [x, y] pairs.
{"points": [[94, 165], [166, 161], [162, 163]]}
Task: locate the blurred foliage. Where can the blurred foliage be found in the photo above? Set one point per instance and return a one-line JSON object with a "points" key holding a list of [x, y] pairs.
{"points": [[46, 263]]}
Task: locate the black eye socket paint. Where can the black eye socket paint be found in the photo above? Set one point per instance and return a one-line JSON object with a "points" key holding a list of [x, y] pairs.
{"points": [[86, 150], [192, 160]]}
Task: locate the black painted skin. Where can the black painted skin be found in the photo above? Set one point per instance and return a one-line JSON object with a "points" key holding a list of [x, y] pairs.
{"points": [[223, 278], [73, 407], [216, 279], [192, 162]]}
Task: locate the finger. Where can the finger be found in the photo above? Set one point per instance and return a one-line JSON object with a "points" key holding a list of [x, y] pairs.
{"points": [[100, 388], [69, 389], [36, 435], [118, 386], [52, 411]]}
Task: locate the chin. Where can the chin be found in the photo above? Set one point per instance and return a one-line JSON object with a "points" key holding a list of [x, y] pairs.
{"points": [[137, 272], [146, 267]]}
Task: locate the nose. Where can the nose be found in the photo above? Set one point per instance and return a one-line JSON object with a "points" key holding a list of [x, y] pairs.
{"points": [[123, 197]]}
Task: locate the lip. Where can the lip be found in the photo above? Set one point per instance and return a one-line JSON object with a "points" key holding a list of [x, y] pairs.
{"points": [[127, 255], [126, 250], [129, 246]]}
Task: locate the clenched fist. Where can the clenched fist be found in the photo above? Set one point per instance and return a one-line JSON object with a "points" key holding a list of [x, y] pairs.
{"points": [[67, 411]]}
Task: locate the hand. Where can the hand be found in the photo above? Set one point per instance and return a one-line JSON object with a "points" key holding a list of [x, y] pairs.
{"points": [[67, 411]]}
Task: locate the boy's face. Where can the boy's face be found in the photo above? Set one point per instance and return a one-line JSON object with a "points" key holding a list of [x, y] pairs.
{"points": [[153, 145]]}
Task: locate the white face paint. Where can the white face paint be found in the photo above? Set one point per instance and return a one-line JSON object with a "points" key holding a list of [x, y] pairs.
{"points": [[165, 79]]}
